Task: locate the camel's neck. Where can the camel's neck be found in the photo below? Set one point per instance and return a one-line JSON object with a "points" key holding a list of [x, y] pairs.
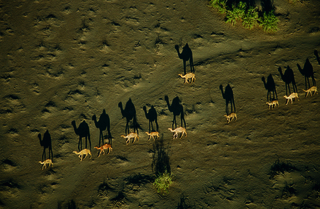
{"points": [[169, 107], [41, 142], [145, 112], [75, 128]]}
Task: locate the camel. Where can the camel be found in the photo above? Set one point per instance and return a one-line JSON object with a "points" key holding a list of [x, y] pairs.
{"points": [[272, 104], [177, 109], [185, 55], [228, 96], [130, 136], [288, 77], [307, 72], [153, 135], [45, 163], [83, 152], [177, 131], [130, 114], [151, 115], [310, 90], [290, 97], [271, 87], [188, 76], [102, 124], [82, 131], [46, 143], [103, 147], [231, 117]]}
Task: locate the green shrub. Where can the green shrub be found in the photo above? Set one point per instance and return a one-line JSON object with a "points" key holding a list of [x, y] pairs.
{"points": [[237, 13], [220, 5], [162, 182], [269, 22], [251, 18]]}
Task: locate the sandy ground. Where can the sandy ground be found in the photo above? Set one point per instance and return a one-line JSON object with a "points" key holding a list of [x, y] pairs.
{"points": [[67, 61]]}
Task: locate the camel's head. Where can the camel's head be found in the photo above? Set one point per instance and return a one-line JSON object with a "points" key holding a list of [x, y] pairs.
{"points": [[166, 98], [120, 104], [176, 47], [96, 147], [170, 129], [144, 108], [94, 117]]}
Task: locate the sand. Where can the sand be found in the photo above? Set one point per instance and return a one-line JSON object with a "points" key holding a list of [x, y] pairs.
{"points": [[69, 60]]}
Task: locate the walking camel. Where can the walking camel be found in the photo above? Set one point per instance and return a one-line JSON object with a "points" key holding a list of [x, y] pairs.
{"points": [[177, 109], [82, 131], [186, 55], [151, 115], [288, 77], [271, 87], [228, 96], [102, 124], [46, 144]]}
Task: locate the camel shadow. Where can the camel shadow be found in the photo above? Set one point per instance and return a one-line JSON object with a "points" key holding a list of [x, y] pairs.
{"points": [[271, 87], [186, 55], [317, 56], [46, 144], [83, 132], [151, 115], [129, 112], [160, 159], [103, 124], [288, 77], [177, 109], [228, 96], [307, 72]]}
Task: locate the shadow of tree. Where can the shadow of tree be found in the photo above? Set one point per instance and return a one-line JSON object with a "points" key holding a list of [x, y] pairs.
{"points": [[160, 160]]}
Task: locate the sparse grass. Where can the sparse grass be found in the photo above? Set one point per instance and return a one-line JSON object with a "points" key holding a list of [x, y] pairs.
{"points": [[162, 182], [269, 22], [249, 16]]}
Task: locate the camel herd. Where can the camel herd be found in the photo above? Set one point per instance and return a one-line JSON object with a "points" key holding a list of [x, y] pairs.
{"points": [[129, 112]]}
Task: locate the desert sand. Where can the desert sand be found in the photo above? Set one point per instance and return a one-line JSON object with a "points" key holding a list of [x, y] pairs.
{"points": [[64, 61]]}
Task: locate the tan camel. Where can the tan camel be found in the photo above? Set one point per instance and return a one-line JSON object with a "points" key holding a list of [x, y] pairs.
{"points": [[273, 104], [83, 152], [45, 163], [312, 89], [177, 131], [231, 116], [188, 76], [153, 135], [291, 96], [130, 136], [103, 147]]}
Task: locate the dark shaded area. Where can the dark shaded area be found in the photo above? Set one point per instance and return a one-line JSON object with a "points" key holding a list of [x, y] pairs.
{"points": [[10, 183], [177, 109], [280, 167], [151, 115], [119, 198], [288, 77], [228, 96], [183, 204], [69, 205], [288, 191], [46, 144], [160, 159], [129, 112], [9, 162], [83, 132], [104, 188], [317, 56], [186, 55], [139, 179], [307, 72], [271, 87], [102, 125]]}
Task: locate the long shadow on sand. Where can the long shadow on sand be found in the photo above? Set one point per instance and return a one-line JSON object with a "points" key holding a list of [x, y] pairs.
{"points": [[129, 112], [46, 144], [317, 56], [160, 160], [83, 132], [228, 96], [103, 124], [307, 72], [186, 55], [288, 77], [151, 115], [271, 87], [177, 109]]}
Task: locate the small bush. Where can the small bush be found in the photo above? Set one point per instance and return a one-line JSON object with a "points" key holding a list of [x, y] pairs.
{"points": [[162, 182], [251, 18], [220, 5], [237, 13], [269, 22]]}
